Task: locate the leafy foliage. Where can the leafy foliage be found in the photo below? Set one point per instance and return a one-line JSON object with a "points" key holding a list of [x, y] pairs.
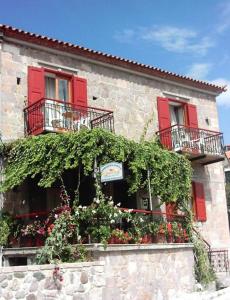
{"points": [[203, 271], [6, 224], [48, 156], [58, 246]]}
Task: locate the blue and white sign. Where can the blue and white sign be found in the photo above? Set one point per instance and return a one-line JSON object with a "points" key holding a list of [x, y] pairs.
{"points": [[111, 172]]}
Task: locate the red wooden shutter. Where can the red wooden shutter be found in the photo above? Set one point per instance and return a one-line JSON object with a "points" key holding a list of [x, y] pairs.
{"points": [[164, 122], [36, 91], [36, 84], [199, 198], [192, 116], [163, 113], [79, 91]]}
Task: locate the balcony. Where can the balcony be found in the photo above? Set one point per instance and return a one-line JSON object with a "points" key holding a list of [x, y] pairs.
{"points": [[48, 115], [199, 144]]}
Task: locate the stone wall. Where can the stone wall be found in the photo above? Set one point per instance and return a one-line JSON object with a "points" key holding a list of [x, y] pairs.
{"points": [[216, 229], [133, 98], [121, 272], [80, 281], [149, 272]]}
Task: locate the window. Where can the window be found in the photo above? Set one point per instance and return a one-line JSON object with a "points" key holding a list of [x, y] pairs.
{"points": [[176, 114], [57, 87]]}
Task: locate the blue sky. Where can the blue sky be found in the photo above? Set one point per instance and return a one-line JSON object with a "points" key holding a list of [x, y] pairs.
{"points": [[189, 37]]}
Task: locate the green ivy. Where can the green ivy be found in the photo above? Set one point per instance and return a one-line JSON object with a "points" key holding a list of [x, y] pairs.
{"points": [[204, 272], [50, 155]]}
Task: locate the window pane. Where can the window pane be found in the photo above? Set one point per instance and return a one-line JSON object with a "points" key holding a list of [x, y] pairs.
{"points": [[50, 87], [176, 115], [63, 92]]}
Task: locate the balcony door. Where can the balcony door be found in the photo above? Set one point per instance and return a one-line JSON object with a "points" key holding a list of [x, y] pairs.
{"points": [[57, 87], [177, 114]]}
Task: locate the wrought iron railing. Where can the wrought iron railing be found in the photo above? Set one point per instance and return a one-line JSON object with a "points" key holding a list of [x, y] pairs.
{"points": [[196, 140], [219, 260], [55, 116]]}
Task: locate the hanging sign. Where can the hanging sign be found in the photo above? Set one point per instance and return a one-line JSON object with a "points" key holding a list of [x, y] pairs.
{"points": [[111, 172]]}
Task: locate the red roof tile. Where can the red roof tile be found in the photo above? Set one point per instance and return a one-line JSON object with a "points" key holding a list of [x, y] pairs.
{"points": [[37, 39]]}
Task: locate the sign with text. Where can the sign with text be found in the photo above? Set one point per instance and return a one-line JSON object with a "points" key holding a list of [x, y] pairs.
{"points": [[111, 172]]}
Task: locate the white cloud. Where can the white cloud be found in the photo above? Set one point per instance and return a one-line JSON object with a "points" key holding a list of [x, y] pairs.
{"points": [[224, 15], [179, 40], [199, 70], [224, 98], [173, 39], [127, 35]]}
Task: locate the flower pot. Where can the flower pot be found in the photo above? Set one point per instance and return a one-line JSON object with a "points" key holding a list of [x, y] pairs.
{"points": [[161, 238], [146, 239], [115, 240], [39, 241], [14, 242], [170, 238], [179, 239], [27, 241], [111, 240]]}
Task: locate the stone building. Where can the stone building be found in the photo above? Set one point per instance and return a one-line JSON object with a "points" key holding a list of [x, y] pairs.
{"points": [[40, 77]]}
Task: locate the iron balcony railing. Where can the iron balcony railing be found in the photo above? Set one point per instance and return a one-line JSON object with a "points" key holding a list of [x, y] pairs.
{"points": [[49, 115], [196, 140], [219, 260]]}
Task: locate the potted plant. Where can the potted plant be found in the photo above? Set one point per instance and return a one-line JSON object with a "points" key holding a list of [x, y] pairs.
{"points": [[100, 234], [161, 233], [153, 230], [169, 233], [185, 236], [15, 233], [118, 236], [33, 234], [178, 232], [27, 235]]}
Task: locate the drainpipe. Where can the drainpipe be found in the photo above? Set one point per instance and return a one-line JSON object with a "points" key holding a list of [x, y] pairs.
{"points": [[150, 193]]}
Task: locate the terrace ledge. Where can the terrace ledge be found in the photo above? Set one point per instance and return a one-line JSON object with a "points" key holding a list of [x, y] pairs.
{"points": [[130, 247]]}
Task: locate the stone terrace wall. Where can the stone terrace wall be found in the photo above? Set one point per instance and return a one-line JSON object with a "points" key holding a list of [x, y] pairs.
{"points": [[147, 272], [81, 281], [121, 272]]}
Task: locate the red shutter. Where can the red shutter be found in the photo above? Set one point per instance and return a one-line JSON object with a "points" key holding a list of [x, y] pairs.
{"points": [[36, 84], [192, 116], [164, 121], [36, 91], [79, 91], [199, 198], [163, 113]]}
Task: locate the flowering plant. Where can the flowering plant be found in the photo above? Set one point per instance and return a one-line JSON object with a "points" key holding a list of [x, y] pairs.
{"points": [[57, 275], [118, 236], [162, 228], [153, 228], [176, 230], [33, 229], [169, 229]]}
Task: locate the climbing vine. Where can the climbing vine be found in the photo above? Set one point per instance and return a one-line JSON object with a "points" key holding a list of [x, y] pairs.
{"points": [[49, 156]]}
